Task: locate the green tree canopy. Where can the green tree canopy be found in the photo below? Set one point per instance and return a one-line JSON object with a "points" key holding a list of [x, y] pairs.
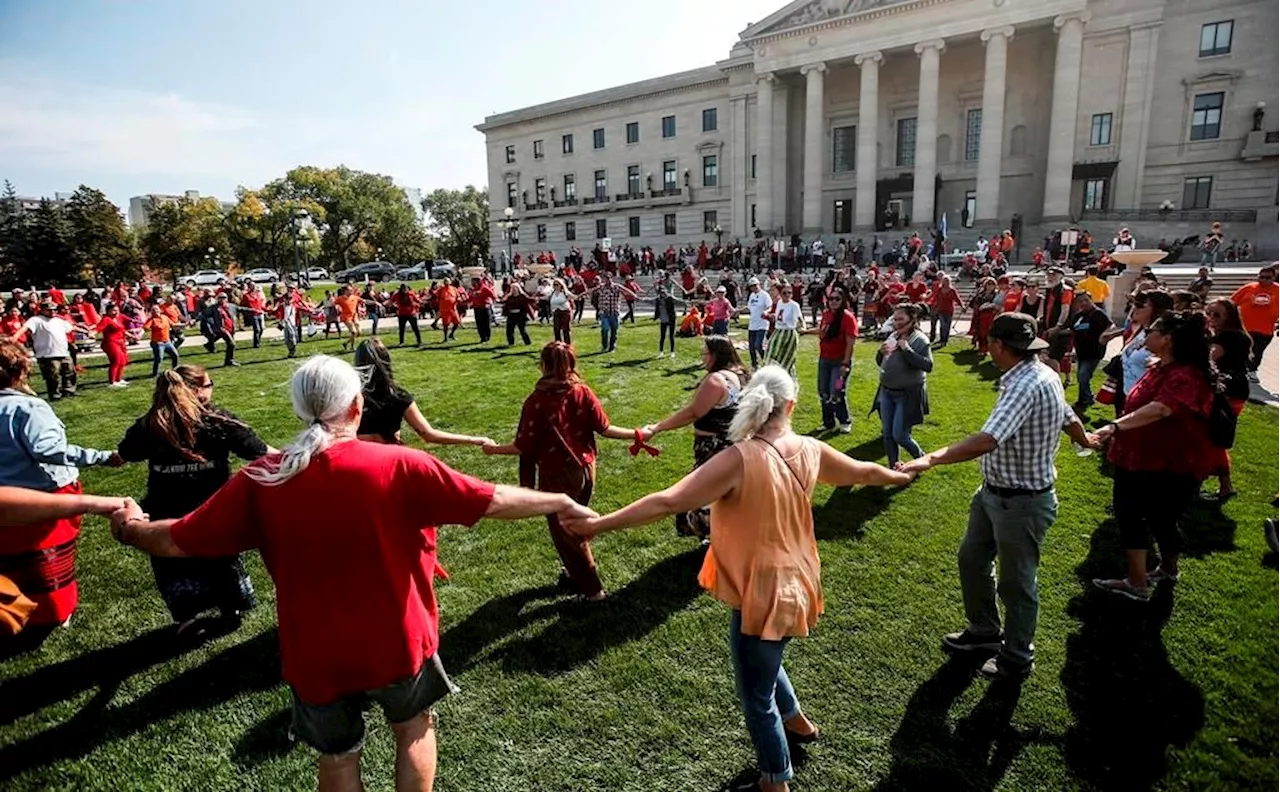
{"points": [[354, 206], [102, 248], [460, 220]]}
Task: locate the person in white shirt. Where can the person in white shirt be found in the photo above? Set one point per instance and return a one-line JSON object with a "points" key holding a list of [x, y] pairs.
{"points": [[758, 306], [819, 253], [48, 334], [1123, 242], [788, 321]]}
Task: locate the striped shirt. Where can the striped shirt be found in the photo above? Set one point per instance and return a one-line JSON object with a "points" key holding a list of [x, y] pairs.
{"points": [[1028, 417]]}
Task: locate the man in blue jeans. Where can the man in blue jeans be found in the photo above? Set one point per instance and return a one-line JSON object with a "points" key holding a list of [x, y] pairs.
{"points": [[1087, 322], [610, 297], [759, 303], [1012, 511]]}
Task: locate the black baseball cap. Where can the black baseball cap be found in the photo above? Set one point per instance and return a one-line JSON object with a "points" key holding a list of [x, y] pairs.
{"points": [[1017, 331]]}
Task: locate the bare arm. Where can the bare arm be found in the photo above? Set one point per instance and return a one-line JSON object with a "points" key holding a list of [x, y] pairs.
{"points": [[152, 538], [972, 447], [514, 503], [711, 482], [22, 506], [1147, 414], [710, 393], [418, 422], [618, 433], [838, 470]]}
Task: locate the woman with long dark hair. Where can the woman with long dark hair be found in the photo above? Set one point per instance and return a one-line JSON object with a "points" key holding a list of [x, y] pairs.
{"points": [[187, 442], [1160, 450], [905, 359], [1230, 347], [1148, 307], [983, 306], [556, 442], [711, 411], [386, 404], [837, 332]]}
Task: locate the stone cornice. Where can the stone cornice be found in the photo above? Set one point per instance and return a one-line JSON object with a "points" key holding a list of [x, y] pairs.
{"points": [[842, 21]]}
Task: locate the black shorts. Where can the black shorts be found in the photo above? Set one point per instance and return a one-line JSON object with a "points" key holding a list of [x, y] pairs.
{"points": [[338, 728]]}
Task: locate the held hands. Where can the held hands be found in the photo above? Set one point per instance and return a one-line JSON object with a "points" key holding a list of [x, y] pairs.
{"points": [[647, 432], [129, 511], [115, 460], [483, 442], [915, 467], [1098, 438], [578, 519]]}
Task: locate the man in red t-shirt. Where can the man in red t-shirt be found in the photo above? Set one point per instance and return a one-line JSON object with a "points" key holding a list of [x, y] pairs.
{"points": [[350, 542]]}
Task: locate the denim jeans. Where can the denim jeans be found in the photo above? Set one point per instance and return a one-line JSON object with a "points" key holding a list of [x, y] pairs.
{"points": [[1011, 530], [835, 407], [893, 425], [608, 332], [766, 696], [755, 341], [160, 349], [1084, 373], [256, 324], [290, 331], [1208, 259], [720, 327], [944, 321]]}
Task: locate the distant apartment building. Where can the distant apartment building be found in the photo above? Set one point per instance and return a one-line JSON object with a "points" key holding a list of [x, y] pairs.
{"points": [[27, 203], [141, 206]]}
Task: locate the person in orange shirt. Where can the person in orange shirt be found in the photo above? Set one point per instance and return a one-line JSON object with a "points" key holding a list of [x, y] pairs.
{"points": [[448, 299], [1259, 304], [159, 325], [763, 561], [173, 312], [691, 324], [348, 303]]}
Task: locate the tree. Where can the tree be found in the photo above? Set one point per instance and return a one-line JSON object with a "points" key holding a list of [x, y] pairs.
{"points": [[101, 245], [49, 257], [260, 228], [355, 206], [179, 235], [13, 236], [460, 220]]}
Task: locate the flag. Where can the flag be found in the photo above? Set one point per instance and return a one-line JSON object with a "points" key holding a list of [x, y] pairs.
{"points": [[942, 227]]}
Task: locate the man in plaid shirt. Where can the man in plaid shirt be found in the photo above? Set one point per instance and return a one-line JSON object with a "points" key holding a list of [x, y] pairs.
{"points": [[1010, 514], [610, 297]]}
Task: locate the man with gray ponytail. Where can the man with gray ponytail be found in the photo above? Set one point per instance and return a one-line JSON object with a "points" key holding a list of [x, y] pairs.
{"points": [[763, 558], [1012, 511], [348, 531]]}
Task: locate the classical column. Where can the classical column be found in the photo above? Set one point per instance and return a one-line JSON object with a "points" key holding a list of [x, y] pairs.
{"points": [[739, 168], [1135, 117], [991, 142], [922, 208], [764, 153], [864, 204], [814, 133], [1062, 118]]}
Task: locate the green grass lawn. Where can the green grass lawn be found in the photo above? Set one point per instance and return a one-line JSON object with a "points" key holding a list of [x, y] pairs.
{"points": [[637, 693]]}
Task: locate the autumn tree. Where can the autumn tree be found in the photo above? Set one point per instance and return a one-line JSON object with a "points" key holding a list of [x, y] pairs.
{"points": [[354, 206], [460, 221]]}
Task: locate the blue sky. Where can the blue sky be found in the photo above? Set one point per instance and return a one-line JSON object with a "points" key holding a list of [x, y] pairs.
{"points": [[165, 96]]}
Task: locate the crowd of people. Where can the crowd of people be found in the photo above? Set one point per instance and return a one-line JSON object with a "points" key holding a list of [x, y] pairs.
{"points": [[1177, 385]]}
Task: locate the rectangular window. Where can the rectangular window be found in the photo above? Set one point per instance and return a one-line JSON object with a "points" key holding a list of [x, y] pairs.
{"points": [[537, 149], [511, 154], [602, 185], [970, 207], [602, 228], [709, 224], [566, 144], [1095, 194], [1206, 116], [709, 171], [597, 138], [542, 232], [753, 215], [843, 151], [669, 224], [1195, 192], [511, 193], [633, 181], [753, 166], [906, 145], [972, 134], [570, 231], [842, 217], [669, 175], [668, 126], [1100, 130], [570, 187], [540, 190], [633, 226], [709, 120], [633, 132], [1215, 38]]}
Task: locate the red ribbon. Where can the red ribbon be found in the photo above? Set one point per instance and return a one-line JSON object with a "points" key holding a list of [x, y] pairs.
{"points": [[640, 445]]}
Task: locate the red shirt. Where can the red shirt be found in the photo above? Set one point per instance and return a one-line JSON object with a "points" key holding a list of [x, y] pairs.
{"points": [[558, 425], [88, 314], [228, 319], [112, 330], [254, 302], [1178, 443], [945, 300], [56, 296], [916, 291], [351, 544], [406, 303], [12, 325], [481, 297], [835, 348]]}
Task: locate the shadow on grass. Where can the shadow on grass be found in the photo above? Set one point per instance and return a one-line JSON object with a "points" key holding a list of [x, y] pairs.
{"points": [[928, 754], [583, 630], [1207, 529], [1117, 670], [849, 509], [978, 365], [247, 667]]}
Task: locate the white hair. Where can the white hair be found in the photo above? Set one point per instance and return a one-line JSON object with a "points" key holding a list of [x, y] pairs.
{"points": [[764, 398], [322, 390]]}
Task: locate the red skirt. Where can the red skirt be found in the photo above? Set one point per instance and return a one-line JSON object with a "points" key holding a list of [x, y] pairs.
{"points": [[1221, 458], [41, 560]]}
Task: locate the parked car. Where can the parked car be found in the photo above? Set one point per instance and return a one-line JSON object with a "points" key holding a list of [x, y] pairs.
{"points": [[416, 272], [206, 278], [317, 274], [260, 275], [370, 270], [443, 268]]}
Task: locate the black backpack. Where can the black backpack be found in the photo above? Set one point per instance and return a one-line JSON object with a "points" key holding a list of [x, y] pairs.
{"points": [[1222, 421]]}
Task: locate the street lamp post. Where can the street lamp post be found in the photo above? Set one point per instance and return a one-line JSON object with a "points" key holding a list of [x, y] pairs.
{"points": [[296, 221], [510, 226], [379, 254], [718, 232]]}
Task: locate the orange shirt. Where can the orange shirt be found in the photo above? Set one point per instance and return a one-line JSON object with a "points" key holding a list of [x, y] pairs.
{"points": [[171, 313], [1259, 306], [448, 297], [159, 327], [764, 552], [347, 306]]}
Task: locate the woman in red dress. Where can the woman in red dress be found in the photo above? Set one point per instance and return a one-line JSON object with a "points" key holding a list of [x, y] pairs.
{"points": [[556, 442], [115, 344]]}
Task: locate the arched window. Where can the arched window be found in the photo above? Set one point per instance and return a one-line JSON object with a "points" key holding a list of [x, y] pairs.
{"points": [[944, 149], [1018, 141]]}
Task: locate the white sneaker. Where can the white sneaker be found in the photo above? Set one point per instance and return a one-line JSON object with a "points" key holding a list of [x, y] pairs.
{"points": [[846, 428], [673, 355], [660, 356]]}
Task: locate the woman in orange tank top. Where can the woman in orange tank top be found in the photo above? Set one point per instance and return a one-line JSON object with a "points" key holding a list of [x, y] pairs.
{"points": [[763, 561]]}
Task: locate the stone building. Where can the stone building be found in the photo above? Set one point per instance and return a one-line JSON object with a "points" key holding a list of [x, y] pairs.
{"points": [[847, 118]]}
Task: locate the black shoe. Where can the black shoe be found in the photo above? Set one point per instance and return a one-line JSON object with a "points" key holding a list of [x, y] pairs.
{"points": [[231, 363], [971, 642], [1000, 667]]}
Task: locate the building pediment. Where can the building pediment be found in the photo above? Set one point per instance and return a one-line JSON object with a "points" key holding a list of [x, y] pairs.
{"points": [[804, 13]]}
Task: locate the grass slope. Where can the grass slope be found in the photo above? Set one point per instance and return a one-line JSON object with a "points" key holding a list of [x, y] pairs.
{"points": [[637, 694]]}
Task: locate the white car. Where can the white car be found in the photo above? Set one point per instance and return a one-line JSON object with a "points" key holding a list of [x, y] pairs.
{"points": [[260, 275], [317, 274], [206, 278]]}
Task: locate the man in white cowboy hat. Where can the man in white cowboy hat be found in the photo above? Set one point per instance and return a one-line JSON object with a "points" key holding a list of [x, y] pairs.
{"points": [[759, 303]]}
